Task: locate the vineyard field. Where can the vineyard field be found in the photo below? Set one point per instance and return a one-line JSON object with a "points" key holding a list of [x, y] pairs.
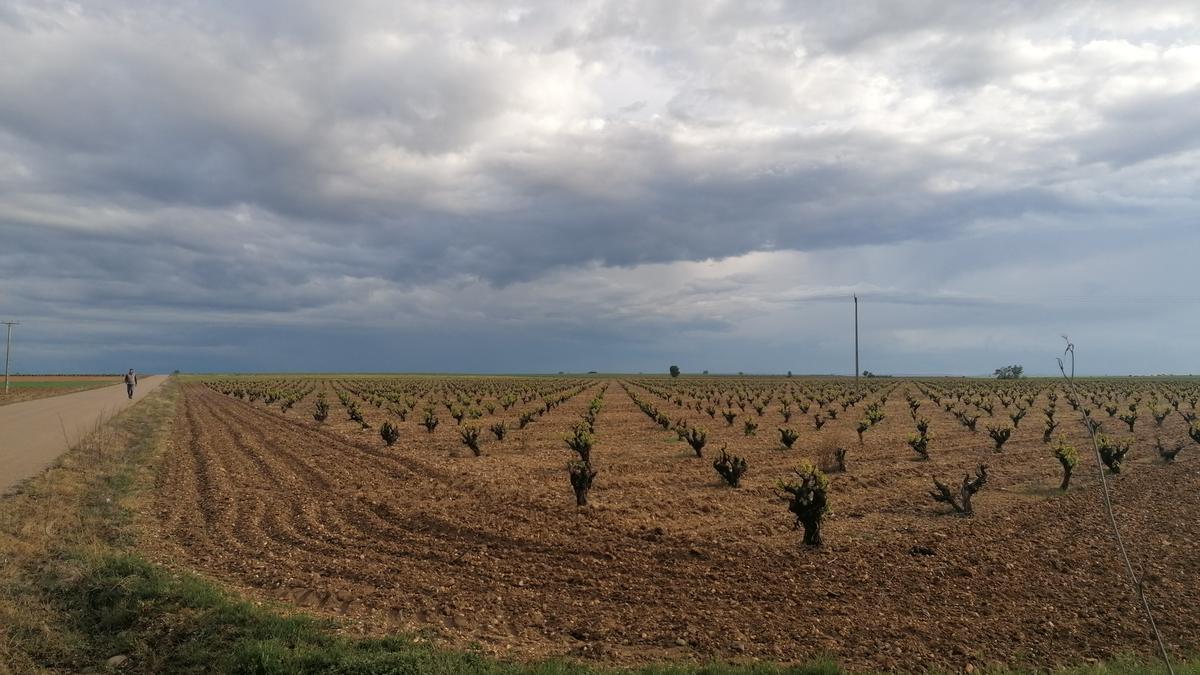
{"points": [[471, 534]]}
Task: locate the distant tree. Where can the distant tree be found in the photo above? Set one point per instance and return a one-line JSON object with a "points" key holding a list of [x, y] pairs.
{"points": [[674, 371], [789, 373], [706, 372], [867, 373], [1009, 372]]}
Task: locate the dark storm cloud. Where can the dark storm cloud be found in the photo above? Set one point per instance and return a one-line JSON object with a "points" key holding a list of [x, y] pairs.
{"points": [[440, 165]]}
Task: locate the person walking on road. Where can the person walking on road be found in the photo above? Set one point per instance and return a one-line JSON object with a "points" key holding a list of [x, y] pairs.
{"points": [[130, 382]]}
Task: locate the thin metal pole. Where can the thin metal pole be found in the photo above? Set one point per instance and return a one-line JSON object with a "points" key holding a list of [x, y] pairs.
{"points": [[7, 349], [856, 338]]}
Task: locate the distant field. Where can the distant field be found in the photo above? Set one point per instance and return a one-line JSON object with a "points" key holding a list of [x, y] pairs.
{"points": [[29, 387]]}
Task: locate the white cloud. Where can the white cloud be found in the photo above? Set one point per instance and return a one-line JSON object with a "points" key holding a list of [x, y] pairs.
{"points": [[708, 169]]}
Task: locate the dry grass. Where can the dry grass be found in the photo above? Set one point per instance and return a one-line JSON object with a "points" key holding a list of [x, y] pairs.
{"points": [[75, 506]]}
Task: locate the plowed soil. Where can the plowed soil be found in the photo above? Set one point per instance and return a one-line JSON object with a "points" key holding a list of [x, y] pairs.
{"points": [[668, 563]]}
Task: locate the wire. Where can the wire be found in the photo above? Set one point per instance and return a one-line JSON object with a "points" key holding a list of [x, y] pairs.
{"points": [[1138, 589]]}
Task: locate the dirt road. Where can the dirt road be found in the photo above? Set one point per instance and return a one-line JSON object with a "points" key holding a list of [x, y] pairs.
{"points": [[34, 433]]}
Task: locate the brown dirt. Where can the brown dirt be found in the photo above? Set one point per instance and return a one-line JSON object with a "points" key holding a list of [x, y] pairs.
{"points": [[669, 563], [56, 385], [65, 378]]}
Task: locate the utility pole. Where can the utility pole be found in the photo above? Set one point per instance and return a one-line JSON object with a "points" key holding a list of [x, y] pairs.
{"points": [[7, 349], [856, 371]]}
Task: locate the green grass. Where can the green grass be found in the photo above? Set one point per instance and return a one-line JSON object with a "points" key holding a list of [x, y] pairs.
{"points": [[177, 623]]}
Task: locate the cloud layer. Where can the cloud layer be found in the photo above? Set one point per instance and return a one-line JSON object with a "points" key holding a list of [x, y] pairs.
{"points": [[598, 185]]}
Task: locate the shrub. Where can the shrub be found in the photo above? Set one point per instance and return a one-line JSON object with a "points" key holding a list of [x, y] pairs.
{"points": [[470, 438], [961, 503], [731, 467], [1159, 414], [808, 500], [920, 444], [818, 421], [1068, 457], [1112, 452], [788, 436], [581, 441], [1051, 425], [863, 425], [1129, 418], [525, 418], [749, 427], [321, 411], [1167, 455], [729, 416], [354, 413], [681, 430], [582, 476], [1018, 416], [1194, 432], [430, 422], [389, 433], [874, 414], [696, 437], [1000, 436], [499, 430]]}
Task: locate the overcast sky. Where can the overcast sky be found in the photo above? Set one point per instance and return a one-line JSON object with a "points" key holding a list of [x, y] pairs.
{"points": [[460, 186]]}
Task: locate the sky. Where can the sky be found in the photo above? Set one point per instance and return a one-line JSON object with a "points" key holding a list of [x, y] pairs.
{"points": [[617, 186]]}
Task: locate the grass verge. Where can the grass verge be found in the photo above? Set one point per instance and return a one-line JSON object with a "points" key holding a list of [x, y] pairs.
{"points": [[75, 597]]}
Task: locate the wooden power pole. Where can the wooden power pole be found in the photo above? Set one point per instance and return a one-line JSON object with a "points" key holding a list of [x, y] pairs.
{"points": [[7, 349], [856, 370]]}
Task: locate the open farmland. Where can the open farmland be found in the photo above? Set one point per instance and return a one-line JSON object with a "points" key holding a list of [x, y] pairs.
{"points": [[487, 545], [30, 387]]}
